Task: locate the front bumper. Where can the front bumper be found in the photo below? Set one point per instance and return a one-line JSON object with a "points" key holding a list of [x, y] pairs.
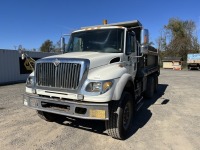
{"points": [[77, 109]]}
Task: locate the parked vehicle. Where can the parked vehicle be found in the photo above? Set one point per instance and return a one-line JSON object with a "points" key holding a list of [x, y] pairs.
{"points": [[103, 74], [193, 61]]}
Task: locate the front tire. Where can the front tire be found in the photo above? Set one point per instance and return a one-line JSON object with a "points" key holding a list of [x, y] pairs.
{"points": [[120, 117]]}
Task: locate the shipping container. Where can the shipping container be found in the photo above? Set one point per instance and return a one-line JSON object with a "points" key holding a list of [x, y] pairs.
{"points": [[13, 68]]}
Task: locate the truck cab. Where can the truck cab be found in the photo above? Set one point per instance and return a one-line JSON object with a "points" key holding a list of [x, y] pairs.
{"points": [[103, 74]]}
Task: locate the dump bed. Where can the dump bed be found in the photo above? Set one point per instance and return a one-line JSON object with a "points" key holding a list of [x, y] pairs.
{"points": [[134, 24]]}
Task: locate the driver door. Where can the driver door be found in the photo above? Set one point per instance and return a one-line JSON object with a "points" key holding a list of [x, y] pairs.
{"points": [[131, 51]]}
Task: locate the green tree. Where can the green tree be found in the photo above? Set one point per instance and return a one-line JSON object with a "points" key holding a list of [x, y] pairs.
{"points": [[47, 46], [179, 38], [56, 47]]}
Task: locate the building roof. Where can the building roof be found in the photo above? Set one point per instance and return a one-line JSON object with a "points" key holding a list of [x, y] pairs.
{"points": [[172, 59]]}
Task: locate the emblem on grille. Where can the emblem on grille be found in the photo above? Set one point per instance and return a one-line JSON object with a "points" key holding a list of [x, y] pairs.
{"points": [[56, 62]]}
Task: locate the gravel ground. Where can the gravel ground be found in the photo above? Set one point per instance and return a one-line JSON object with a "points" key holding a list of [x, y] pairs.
{"points": [[171, 120]]}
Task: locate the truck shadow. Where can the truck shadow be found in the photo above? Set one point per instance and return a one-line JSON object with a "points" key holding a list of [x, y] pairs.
{"points": [[95, 126], [144, 114], [140, 119]]}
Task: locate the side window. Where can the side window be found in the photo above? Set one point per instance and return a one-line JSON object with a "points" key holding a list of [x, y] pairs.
{"points": [[130, 43], [77, 44]]}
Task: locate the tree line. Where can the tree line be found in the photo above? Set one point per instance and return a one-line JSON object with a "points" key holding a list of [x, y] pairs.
{"points": [[48, 46], [178, 38]]}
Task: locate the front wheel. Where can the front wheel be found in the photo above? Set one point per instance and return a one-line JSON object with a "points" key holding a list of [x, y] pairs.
{"points": [[120, 117]]}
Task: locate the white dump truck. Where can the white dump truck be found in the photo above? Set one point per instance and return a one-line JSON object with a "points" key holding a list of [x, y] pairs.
{"points": [[193, 61], [103, 74]]}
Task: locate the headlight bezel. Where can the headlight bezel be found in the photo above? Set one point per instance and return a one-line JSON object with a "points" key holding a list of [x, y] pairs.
{"points": [[95, 87], [30, 81]]}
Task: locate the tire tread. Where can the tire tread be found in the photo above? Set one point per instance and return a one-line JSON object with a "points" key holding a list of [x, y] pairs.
{"points": [[114, 125]]}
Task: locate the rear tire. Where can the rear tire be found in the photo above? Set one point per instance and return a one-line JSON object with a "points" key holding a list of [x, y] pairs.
{"points": [[155, 83], [120, 117], [47, 116], [150, 87]]}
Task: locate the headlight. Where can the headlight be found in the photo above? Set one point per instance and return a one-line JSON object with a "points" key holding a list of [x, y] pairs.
{"points": [[30, 80], [93, 87], [106, 86], [99, 87]]}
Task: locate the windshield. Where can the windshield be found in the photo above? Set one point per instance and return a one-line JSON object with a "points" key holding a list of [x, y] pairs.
{"points": [[100, 40]]}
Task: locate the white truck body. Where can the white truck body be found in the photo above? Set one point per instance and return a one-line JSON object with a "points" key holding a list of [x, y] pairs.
{"points": [[105, 69]]}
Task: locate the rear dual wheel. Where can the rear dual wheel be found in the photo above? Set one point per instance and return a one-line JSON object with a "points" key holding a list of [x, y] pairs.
{"points": [[149, 92], [156, 83]]}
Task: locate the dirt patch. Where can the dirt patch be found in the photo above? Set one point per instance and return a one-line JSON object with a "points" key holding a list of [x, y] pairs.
{"points": [[170, 120]]}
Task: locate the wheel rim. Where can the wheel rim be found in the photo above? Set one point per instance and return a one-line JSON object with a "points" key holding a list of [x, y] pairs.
{"points": [[126, 116]]}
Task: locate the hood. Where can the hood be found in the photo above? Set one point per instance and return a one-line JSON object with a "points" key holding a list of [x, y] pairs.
{"points": [[96, 59]]}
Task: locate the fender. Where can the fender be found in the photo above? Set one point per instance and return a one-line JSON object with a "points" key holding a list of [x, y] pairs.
{"points": [[120, 86]]}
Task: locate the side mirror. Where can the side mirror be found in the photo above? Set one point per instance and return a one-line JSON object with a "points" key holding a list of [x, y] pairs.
{"points": [[62, 44], [144, 41]]}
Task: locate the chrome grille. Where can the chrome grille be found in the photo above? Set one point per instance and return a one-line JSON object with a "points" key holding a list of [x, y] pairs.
{"points": [[65, 75]]}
